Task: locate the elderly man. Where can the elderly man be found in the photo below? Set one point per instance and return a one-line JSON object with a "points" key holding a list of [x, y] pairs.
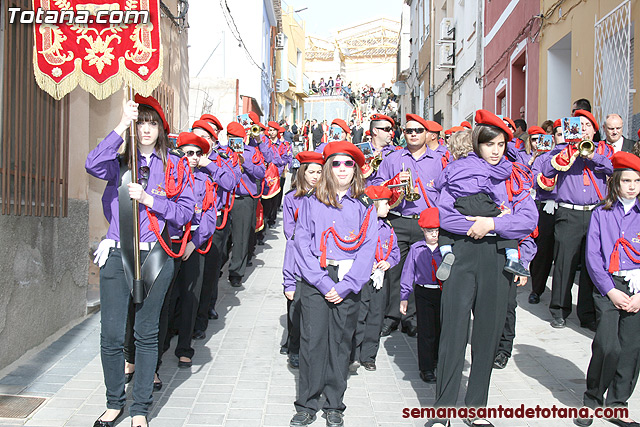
{"points": [[613, 132]]}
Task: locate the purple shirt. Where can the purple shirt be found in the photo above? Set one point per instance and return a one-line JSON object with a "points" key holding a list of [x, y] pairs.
{"points": [[320, 148], [206, 221], [314, 218], [225, 175], [385, 233], [570, 184], [290, 205], [527, 249], [536, 169], [253, 173], [102, 163], [604, 229], [418, 268], [425, 170], [386, 150], [517, 225]]}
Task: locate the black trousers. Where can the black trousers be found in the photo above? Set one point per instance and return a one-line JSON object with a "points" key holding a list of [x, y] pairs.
{"points": [[615, 353], [211, 275], [541, 264], [477, 284], [570, 239], [428, 316], [325, 344], [407, 232], [186, 295], [243, 225], [293, 322], [366, 339], [505, 345]]}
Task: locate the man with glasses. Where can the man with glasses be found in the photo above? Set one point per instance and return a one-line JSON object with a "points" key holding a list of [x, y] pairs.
{"points": [[381, 129], [423, 156]]}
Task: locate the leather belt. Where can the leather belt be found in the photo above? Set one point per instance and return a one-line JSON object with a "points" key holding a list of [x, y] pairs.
{"points": [[404, 216], [144, 246], [333, 262], [577, 207], [428, 286]]}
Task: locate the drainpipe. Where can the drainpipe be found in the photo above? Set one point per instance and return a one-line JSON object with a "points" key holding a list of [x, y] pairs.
{"points": [[432, 69]]}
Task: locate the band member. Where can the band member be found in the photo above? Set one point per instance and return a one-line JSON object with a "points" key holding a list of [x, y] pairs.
{"points": [[243, 213], [335, 243], [580, 186], [421, 161], [339, 131], [545, 190], [306, 180], [613, 261], [366, 339], [419, 273], [281, 150], [163, 199], [478, 282], [381, 128]]}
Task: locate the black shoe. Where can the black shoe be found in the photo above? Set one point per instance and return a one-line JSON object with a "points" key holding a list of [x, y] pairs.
{"points": [[334, 419], [516, 268], [590, 326], [213, 314], [444, 270], [534, 298], [412, 330], [249, 263], [101, 423], [199, 335], [236, 281], [157, 386], [619, 422], [184, 364], [353, 366], [438, 423], [302, 418], [501, 360], [558, 323], [284, 350], [583, 422], [428, 376], [128, 376], [294, 361], [260, 242], [477, 422], [369, 366], [387, 329]]}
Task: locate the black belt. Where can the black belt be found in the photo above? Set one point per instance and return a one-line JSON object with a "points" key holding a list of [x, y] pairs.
{"points": [[399, 215]]}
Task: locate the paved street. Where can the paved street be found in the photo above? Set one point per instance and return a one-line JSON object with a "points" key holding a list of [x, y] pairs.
{"points": [[239, 378]]}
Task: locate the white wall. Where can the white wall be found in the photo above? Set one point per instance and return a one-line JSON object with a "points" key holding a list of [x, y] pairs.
{"points": [[559, 79]]}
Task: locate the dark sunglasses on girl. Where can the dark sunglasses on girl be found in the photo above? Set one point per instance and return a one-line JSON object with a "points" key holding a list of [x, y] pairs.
{"points": [[347, 163], [192, 153], [143, 176], [418, 131]]}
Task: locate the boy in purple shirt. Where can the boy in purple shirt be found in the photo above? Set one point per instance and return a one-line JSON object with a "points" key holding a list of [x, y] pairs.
{"points": [[420, 270]]}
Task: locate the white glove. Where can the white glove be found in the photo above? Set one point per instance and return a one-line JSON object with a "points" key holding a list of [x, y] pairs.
{"points": [[378, 278], [102, 253], [550, 206], [343, 268], [633, 276]]}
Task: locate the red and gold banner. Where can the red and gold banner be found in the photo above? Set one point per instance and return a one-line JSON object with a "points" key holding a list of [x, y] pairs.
{"points": [[99, 57]]}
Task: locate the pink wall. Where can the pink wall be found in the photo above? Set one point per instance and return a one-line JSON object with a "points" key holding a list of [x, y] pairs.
{"points": [[519, 85]]}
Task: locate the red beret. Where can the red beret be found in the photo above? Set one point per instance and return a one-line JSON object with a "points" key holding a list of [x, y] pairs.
{"points": [[274, 125], [511, 122], [557, 124], [310, 157], [429, 218], [188, 138], [263, 127], [588, 115], [536, 130], [382, 117], [465, 124], [624, 160], [202, 124], [254, 117], [638, 134], [378, 192], [236, 129], [369, 133], [343, 147], [457, 129], [212, 119], [448, 131], [429, 125], [487, 118], [151, 102], [342, 124]]}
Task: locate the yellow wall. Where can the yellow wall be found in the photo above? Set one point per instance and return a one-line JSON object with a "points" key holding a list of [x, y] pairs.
{"points": [[578, 18]]}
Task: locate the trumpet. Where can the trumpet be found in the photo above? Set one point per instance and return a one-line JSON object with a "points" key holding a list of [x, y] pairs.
{"points": [[375, 162], [586, 148], [410, 194], [255, 131]]}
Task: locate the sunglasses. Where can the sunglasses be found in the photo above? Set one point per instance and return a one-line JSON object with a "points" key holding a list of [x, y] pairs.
{"points": [[387, 129], [347, 163], [418, 131], [143, 177], [192, 153]]}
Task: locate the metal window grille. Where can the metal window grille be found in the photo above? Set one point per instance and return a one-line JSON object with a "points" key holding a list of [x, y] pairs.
{"points": [[34, 134], [612, 64]]}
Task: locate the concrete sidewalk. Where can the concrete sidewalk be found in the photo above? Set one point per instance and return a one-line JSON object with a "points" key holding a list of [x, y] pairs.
{"points": [[239, 378]]}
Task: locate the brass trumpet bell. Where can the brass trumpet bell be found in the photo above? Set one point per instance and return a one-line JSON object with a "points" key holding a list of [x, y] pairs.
{"points": [[375, 162], [254, 132], [410, 194], [586, 148]]}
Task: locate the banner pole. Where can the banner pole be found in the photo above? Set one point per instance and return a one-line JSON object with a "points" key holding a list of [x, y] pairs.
{"points": [[138, 285]]}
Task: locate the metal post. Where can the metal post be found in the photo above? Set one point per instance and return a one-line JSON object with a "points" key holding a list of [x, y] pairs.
{"points": [[138, 285]]}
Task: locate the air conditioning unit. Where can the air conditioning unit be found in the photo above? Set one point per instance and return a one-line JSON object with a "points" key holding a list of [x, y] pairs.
{"points": [[280, 41], [447, 30], [447, 56]]}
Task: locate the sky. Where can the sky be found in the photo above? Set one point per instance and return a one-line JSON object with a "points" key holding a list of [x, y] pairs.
{"points": [[322, 17]]}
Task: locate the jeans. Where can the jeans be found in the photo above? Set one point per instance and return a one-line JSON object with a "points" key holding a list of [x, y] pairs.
{"points": [[114, 301]]}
